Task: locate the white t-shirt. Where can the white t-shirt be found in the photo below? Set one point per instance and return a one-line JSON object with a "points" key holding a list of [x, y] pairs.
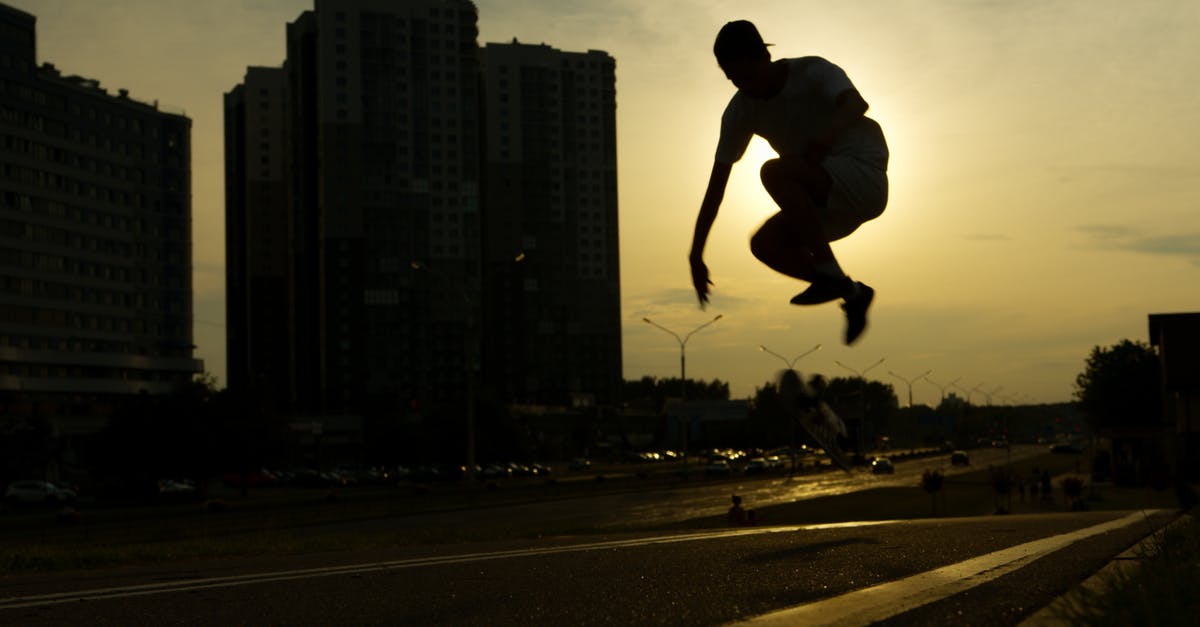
{"points": [[790, 119]]}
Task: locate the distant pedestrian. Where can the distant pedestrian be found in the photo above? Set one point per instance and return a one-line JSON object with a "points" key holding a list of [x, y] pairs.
{"points": [[1046, 496], [736, 515], [1021, 489], [1033, 485]]}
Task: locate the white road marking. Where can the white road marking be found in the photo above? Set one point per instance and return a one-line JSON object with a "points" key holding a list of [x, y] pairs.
{"points": [[866, 606], [187, 585]]}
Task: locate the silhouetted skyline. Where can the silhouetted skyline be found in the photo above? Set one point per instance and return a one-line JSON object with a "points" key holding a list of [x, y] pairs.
{"points": [[1037, 210]]}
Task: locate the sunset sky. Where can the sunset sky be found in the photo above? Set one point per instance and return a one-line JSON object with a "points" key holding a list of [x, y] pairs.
{"points": [[1044, 173]]}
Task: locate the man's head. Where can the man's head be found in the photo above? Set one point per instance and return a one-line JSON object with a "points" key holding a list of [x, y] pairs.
{"points": [[744, 58], [739, 41]]}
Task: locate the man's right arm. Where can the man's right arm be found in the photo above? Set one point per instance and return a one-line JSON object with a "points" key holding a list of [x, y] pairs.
{"points": [[713, 195], [717, 180]]}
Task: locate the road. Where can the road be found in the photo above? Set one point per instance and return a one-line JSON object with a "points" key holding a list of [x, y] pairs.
{"points": [[575, 502], [685, 502], [979, 571], [641, 557]]}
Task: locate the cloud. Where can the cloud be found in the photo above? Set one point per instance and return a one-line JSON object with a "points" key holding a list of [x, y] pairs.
{"points": [[1132, 239]]}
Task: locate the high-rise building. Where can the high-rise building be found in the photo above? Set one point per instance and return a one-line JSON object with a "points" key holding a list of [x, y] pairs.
{"points": [[554, 317], [382, 180], [257, 240], [443, 224], [95, 238]]}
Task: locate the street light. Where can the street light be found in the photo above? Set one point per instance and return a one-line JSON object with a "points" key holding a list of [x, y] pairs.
{"points": [[940, 386], [791, 367], [682, 365], [989, 395], [790, 364], [862, 375], [909, 383], [965, 390], [682, 345]]}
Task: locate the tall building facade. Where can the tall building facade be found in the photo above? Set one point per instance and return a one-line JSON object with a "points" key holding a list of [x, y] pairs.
{"points": [[442, 224], [383, 197], [95, 238], [554, 317], [258, 269]]}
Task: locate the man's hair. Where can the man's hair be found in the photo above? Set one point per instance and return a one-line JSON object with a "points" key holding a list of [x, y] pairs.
{"points": [[739, 41]]}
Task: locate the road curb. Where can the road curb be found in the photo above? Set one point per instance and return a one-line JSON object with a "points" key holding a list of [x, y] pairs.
{"points": [[1053, 614]]}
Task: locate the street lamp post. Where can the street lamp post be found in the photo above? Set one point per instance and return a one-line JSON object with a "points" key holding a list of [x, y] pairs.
{"points": [[965, 390], [994, 392], [909, 383], [939, 386], [862, 374], [682, 366], [791, 364]]}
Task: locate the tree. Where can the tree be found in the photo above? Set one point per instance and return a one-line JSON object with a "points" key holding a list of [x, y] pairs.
{"points": [[659, 390], [1120, 386]]}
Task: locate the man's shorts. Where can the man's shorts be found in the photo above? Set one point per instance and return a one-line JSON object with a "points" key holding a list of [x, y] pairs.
{"points": [[857, 163]]}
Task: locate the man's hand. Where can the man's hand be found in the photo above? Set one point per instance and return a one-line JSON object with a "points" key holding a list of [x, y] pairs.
{"points": [[700, 279]]}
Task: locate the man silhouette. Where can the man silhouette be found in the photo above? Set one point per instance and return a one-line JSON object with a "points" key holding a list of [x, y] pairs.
{"points": [[829, 178]]}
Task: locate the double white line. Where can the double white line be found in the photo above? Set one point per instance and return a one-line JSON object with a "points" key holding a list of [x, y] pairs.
{"points": [[188, 585], [860, 607]]}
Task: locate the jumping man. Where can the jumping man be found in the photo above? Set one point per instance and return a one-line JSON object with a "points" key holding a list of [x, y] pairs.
{"points": [[829, 178]]}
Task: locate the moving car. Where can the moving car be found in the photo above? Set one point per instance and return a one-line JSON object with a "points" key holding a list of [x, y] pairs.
{"points": [[882, 465], [959, 458], [37, 491]]}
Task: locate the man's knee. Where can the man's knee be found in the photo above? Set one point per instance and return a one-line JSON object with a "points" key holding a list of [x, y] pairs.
{"points": [[760, 246], [775, 174], [772, 173]]}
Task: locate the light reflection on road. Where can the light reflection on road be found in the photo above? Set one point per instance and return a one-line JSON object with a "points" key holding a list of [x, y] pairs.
{"points": [[696, 499], [713, 499]]}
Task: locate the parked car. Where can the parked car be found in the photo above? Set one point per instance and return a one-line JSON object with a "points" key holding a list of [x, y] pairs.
{"points": [[959, 458], [717, 467], [37, 491], [756, 466], [882, 465]]}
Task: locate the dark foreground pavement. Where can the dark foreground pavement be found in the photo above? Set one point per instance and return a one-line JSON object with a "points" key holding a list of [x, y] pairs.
{"points": [[991, 570]]}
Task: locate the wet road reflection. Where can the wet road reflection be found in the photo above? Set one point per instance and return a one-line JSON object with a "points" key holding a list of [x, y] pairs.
{"points": [[686, 503], [704, 498]]}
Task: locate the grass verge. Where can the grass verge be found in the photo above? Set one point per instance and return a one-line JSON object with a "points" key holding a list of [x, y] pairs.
{"points": [[1161, 588]]}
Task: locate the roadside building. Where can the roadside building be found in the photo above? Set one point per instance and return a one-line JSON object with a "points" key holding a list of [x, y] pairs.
{"points": [[95, 242], [1177, 338], [551, 272]]}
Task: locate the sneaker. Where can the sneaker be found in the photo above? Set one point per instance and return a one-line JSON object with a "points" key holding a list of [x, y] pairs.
{"points": [[824, 289], [856, 312]]}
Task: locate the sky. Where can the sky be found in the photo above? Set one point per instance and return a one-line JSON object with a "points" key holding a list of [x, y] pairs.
{"points": [[1045, 161]]}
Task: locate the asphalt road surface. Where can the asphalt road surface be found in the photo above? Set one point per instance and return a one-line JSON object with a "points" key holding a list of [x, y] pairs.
{"points": [[978, 571]]}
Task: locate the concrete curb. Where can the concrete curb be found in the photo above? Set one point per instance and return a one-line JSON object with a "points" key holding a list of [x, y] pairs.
{"points": [[1051, 615]]}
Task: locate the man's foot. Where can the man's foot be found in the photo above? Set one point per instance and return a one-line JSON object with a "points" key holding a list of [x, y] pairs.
{"points": [[825, 289], [856, 312]]}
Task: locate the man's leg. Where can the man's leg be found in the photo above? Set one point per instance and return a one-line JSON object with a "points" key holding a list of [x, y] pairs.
{"points": [[775, 244], [800, 187]]}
